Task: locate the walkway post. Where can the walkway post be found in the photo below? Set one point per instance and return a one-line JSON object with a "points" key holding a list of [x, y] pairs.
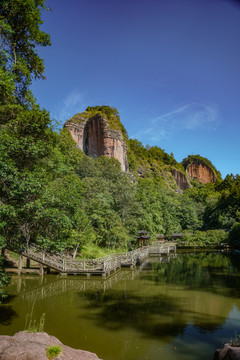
{"points": [[28, 263], [40, 269], [20, 264]]}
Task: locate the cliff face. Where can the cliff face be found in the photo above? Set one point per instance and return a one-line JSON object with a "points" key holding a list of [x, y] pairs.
{"points": [[95, 137], [181, 179], [203, 173]]}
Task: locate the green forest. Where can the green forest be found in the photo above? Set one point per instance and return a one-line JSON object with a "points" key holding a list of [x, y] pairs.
{"points": [[54, 196]]}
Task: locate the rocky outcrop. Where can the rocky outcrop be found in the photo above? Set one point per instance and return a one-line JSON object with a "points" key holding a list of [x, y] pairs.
{"points": [[181, 179], [96, 137], [32, 346], [202, 172], [228, 352]]}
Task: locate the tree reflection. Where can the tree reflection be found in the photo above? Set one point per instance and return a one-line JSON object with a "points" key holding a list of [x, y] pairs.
{"points": [[193, 289], [211, 271], [7, 314]]}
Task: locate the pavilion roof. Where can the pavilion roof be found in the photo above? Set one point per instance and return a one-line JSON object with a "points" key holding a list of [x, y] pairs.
{"points": [[142, 232], [143, 237], [178, 234]]}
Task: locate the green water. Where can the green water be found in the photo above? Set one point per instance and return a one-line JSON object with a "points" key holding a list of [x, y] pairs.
{"points": [[183, 309]]}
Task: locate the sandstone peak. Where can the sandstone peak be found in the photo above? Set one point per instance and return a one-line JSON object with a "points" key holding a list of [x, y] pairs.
{"points": [[98, 131], [202, 172], [200, 168]]}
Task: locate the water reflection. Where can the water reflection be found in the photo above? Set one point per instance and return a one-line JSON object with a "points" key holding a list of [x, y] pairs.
{"points": [[179, 308], [214, 272], [7, 314]]}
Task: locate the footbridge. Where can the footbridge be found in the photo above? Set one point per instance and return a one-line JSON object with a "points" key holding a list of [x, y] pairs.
{"points": [[102, 266]]}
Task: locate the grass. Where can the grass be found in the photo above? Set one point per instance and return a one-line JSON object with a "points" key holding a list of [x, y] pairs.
{"points": [[53, 351], [92, 251], [235, 341], [32, 325]]}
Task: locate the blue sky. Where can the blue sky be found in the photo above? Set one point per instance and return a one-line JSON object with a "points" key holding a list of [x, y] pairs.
{"points": [[170, 67]]}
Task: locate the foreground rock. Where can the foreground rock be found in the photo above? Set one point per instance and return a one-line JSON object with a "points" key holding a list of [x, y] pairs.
{"points": [[227, 353], [32, 346]]}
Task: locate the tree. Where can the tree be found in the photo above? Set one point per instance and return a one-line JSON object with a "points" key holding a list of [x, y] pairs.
{"points": [[20, 33], [19, 62], [25, 143]]}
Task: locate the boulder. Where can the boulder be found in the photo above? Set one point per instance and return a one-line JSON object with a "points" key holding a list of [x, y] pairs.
{"points": [[228, 352], [31, 346]]}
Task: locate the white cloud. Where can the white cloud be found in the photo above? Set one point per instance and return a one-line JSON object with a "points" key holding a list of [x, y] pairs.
{"points": [[190, 117], [72, 104], [152, 133]]}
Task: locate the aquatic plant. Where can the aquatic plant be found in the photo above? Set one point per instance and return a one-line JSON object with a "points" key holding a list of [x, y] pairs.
{"points": [[32, 325], [235, 341]]}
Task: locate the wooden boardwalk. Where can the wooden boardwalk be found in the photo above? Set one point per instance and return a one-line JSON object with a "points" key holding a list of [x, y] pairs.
{"points": [[61, 284], [101, 266]]}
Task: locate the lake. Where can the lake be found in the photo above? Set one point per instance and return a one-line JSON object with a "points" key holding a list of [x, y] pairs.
{"points": [[181, 307]]}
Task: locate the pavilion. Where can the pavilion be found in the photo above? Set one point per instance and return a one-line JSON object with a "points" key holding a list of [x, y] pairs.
{"points": [[143, 238], [160, 238]]}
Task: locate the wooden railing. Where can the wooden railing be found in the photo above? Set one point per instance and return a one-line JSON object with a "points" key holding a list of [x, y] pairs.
{"points": [[104, 265]]}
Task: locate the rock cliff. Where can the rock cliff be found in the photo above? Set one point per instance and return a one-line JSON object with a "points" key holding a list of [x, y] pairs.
{"points": [[181, 179], [97, 133], [202, 172]]}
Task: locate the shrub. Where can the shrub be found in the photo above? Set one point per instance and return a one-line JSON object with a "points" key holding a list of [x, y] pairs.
{"points": [[205, 238], [53, 351]]}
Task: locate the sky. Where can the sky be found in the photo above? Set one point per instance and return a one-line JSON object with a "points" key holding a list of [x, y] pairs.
{"points": [[170, 67]]}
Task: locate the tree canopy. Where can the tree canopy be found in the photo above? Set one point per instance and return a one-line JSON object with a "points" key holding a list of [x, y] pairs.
{"points": [[20, 33]]}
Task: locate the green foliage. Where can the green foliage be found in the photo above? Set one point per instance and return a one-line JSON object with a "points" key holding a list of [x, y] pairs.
{"points": [[210, 238], [149, 157], [164, 211], [109, 200], [104, 109], [90, 250], [25, 143], [235, 341], [20, 33], [53, 351], [225, 210]]}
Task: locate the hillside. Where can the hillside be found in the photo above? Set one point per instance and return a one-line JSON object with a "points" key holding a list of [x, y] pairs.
{"points": [[98, 131]]}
